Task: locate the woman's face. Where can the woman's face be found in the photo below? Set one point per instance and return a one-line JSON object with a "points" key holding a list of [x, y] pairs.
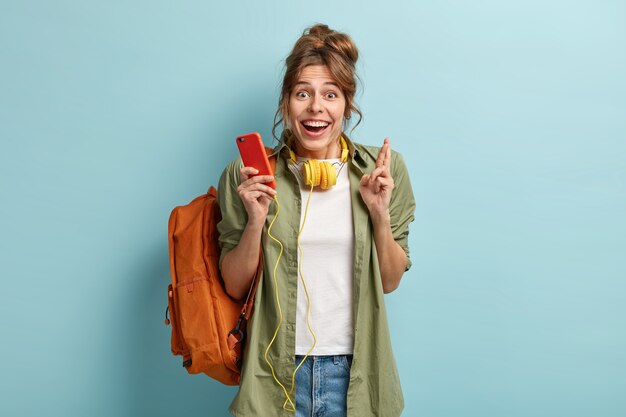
{"points": [[316, 109]]}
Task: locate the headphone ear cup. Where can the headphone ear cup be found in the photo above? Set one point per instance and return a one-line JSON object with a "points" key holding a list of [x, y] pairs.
{"points": [[324, 175], [306, 172], [317, 172], [332, 175]]}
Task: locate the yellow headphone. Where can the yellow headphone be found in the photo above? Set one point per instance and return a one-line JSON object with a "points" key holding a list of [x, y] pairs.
{"points": [[320, 173]]}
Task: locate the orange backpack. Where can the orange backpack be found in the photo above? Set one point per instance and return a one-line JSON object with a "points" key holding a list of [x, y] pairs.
{"points": [[208, 326]]}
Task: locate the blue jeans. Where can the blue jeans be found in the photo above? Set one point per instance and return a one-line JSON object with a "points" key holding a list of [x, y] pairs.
{"points": [[322, 386]]}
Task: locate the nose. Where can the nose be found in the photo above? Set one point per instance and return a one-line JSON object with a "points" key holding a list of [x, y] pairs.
{"points": [[315, 106]]}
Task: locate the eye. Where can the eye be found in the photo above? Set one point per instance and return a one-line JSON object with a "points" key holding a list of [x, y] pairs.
{"points": [[302, 94], [331, 95]]}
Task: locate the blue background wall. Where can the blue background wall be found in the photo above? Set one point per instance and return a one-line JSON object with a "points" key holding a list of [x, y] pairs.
{"points": [[511, 116]]}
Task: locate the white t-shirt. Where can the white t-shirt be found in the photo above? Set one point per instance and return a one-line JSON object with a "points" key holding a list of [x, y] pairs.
{"points": [[326, 262]]}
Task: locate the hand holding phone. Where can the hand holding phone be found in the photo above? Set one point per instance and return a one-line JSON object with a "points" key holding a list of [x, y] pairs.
{"points": [[253, 155]]}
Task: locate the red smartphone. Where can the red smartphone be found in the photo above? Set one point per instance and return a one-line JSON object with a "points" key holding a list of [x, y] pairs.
{"points": [[253, 155]]}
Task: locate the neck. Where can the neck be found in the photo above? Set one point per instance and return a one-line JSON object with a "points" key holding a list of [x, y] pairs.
{"points": [[333, 151]]}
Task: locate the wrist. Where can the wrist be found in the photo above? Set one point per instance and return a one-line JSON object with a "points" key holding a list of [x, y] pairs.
{"points": [[255, 224], [380, 217]]}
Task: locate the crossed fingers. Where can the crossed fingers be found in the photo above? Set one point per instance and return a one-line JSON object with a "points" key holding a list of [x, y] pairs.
{"points": [[382, 173]]}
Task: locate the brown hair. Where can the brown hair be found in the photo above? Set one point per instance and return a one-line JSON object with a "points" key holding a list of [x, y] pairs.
{"points": [[320, 45]]}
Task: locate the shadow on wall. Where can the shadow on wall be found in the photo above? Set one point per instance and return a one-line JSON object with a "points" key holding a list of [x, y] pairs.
{"points": [[158, 385]]}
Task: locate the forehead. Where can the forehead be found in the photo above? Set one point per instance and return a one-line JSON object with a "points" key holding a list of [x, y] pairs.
{"points": [[315, 75]]}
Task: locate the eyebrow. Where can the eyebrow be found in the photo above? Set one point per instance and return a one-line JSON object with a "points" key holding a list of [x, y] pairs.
{"points": [[334, 84]]}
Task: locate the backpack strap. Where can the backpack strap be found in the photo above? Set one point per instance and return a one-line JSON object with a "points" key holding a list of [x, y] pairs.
{"points": [[247, 306]]}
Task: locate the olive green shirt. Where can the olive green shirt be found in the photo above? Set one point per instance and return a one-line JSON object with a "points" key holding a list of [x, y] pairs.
{"points": [[374, 388]]}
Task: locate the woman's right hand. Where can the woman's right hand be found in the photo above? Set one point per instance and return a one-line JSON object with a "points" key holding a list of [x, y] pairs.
{"points": [[255, 195]]}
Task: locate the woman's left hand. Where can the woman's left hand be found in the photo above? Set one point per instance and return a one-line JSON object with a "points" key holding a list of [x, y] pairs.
{"points": [[376, 187]]}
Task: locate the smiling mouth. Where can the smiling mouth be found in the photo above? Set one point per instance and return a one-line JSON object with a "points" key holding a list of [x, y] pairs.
{"points": [[315, 126]]}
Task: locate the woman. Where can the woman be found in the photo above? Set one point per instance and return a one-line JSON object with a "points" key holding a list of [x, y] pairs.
{"points": [[328, 254]]}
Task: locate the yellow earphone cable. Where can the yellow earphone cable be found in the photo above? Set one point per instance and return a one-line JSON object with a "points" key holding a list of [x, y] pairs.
{"points": [[288, 404], [313, 178], [308, 298], [280, 311]]}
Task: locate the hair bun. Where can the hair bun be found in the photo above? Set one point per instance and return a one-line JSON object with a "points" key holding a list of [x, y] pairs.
{"points": [[341, 42]]}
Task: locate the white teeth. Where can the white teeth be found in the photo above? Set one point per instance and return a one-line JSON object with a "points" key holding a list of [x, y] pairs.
{"points": [[315, 124]]}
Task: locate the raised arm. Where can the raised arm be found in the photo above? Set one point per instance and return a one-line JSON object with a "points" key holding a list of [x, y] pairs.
{"points": [[376, 190]]}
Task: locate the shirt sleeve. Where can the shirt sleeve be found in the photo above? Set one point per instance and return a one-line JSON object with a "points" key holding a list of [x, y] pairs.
{"points": [[234, 216], [402, 205]]}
